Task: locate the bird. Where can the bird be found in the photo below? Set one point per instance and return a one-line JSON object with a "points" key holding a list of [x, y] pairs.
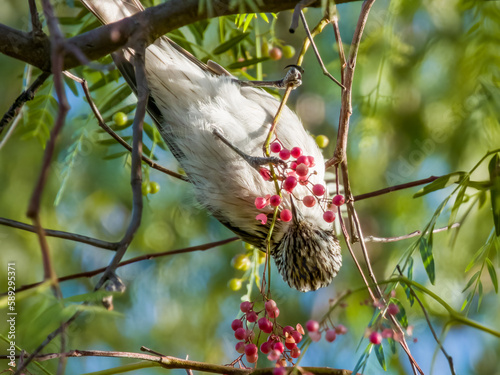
{"points": [[216, 127]]}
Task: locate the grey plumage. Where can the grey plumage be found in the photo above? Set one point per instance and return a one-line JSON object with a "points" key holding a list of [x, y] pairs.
{"points": [[188, 101]]}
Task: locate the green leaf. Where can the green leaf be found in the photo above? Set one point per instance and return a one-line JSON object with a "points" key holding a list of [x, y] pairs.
{"points": [[441, 183], [467, 301], [362, 360], [493, 274], [471, 281], [480, 295], [245, 63], [407, 290], [401, 315], [116, 98], [458, 202], [111, 141], [115, 155], [494, 169], [425, 248], [230, 43], [249, 19], [379, 352]]}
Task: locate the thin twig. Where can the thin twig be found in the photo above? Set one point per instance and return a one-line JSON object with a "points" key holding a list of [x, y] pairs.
{"points": [[113, 134], [406, 236], [36, 25], [395, 188], [340, 47], [60, 234]]}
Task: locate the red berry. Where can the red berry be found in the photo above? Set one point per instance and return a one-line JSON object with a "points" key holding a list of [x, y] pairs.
{"points": [[340, 329], [284, 154], [252, 317], [274, 313], [312, 325], [252, 358], [311, 161], [265, 325], [286, 215], [315, 336], [330, 335], [290, 345], [251, 349], [280, 371], [262, 218], [297, 336], [303, 160], [293, 165], [296, 152], [246, 306], [318, 190], [288, 329], [264, 172], [240, 334], [270, 305], [275, 53], [274, 355], [236, 324], [309, 201], [302, 170], [260, 202], [275, 200], [386, 333], [266, 347], [329, 216], [279, 347], [376, 338], [393, 309], [338, 200], [295, 353], [290, 183], [240, 347], [275, 147]]}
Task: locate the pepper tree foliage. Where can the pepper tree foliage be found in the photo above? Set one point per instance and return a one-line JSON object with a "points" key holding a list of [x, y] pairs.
{"points": [[425, 102]]}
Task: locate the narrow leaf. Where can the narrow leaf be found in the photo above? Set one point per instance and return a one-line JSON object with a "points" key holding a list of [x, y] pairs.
{"points": [[471, 281], [379, 352], [427, 257], [116, 98], [230, 43], [440, 183], [494, 169], [493, 274]]}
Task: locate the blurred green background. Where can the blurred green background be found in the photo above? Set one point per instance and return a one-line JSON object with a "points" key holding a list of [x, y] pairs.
{"points": [[425, 102]]}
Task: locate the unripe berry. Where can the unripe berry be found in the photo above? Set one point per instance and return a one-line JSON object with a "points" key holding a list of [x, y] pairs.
{"points": [[312, 325], [296, 152], [295, 353], [240, 347], [279, 347], [246, 306], [275, 200], [393, 309], [265, 325], [241, 262], [154, 187], [286, 215], [284, 154], [338, 200], [240, 334], [329, 216], [318, 190], [376, 338], [251, 349], [309, 200], [322, 141], [290, 183], [330, 335], [252, 358], [288, 51], [120, 119], [266, 347], [275, 147], [252, 317], [302, 170], [146, 188], [235, 284], [236, 324]]}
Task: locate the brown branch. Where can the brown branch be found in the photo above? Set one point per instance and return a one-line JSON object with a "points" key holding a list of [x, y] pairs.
{"points": [[406, 236], [60, 234], [395, 188], [36, 25]]}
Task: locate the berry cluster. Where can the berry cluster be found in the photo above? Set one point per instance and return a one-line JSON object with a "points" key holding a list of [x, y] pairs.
{"points": [[314, 331], [281, 344], [376, 336], [297, 171], [243, 262]]}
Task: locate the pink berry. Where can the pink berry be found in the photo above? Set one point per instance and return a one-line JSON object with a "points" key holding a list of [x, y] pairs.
{"points": [[393, 309], [274, 313], [376, 338], [338, 200], [312, 325], [286, 215], [260, 202], [318, 190], [240, 347], [284, 154], [275, 200], [274, 355], [330, 335], [293, 165], [266, 347], [340, 329], [288, 329], [246, 306], [303, 160], [275, 147], [270, 305], [240, 334], [297, 336], [309, 201], [279, 347], [252, 317], [295, 353], [315, 336], [265, 325], [302, 170], [311, 161], [280, 371], [236, 324], [251, 349], [290, 183], [386, 333], [252, 358], [262, 218], [264, 172], [329, 216], [296, 152]]}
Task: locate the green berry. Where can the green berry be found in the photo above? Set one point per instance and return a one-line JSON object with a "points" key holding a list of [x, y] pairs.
{"points": [[248, 246], [235, 284], [288, 52], [120, 119], [146, 188], [154, 187], [241, 262], [264, 51], [322, 141]]}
